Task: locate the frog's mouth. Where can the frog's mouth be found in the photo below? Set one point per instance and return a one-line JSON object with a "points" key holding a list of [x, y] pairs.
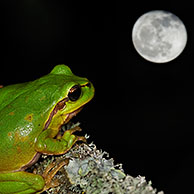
{"points": [[72, 114]]}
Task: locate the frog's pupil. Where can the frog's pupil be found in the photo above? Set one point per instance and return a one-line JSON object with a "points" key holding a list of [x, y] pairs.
{"points": [[74, 93]]}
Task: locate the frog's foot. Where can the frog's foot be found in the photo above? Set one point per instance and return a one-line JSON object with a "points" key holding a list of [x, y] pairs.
{"points": [[70, 138], [50, 172], [74, 129], [70, 131], [50, 144], [21, 183]]}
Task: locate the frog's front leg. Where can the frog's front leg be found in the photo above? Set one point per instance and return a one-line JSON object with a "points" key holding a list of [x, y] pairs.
{"points": [[20, 183], [47, 143]]}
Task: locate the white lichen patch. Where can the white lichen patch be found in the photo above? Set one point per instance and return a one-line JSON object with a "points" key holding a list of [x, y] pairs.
{"points": [[91, 171]]}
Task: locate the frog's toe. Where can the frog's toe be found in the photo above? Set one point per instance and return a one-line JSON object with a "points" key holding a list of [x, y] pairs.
{"points": [[74, 129], [50, 172], [74, 138], [81, 138], [68, 135]]}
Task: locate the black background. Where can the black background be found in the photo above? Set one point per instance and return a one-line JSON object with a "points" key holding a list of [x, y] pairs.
{"points": [[142, 113]]}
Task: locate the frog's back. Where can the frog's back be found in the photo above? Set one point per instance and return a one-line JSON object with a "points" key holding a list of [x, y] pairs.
{"points": [[24, 109], [9, 93], [17, 120]]}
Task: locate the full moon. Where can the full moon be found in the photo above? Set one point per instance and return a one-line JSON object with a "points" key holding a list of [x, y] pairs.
{"points": [[159, 36]]}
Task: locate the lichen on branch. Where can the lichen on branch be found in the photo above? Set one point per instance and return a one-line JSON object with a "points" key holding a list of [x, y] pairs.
{"points": [[91, 171]]}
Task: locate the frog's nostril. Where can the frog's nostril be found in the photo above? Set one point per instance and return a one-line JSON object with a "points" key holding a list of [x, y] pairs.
{"points": [[88, 85]]}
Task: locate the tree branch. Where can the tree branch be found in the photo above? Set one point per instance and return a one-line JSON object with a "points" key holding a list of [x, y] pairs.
{"points": [[91, 171]]}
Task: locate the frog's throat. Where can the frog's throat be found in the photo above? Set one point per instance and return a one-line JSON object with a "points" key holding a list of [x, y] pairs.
{"points": [[60, 105], [72, 114]]}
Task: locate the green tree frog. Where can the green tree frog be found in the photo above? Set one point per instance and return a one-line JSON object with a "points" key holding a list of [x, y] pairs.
{"points": [[31, 115]]}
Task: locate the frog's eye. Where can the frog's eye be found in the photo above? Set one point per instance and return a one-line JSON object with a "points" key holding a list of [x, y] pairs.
{"points": [[74, 93]]}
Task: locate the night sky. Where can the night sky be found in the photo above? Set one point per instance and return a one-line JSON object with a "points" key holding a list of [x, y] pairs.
{"points": [[142, 112]]}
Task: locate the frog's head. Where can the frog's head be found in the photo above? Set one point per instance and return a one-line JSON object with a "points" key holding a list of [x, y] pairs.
{"points": [[74, 92]]}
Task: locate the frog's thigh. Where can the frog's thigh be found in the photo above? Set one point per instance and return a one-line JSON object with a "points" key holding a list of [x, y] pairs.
{"points": [[20, 183]]}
